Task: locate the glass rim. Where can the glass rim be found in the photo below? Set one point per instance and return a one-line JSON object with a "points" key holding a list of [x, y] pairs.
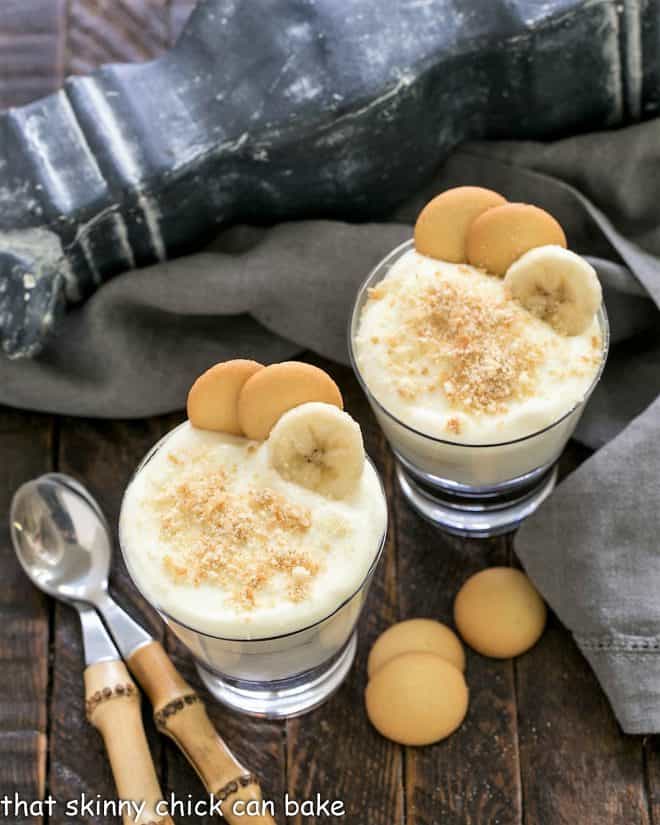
{"points": [[352, 326], [372, 567]]}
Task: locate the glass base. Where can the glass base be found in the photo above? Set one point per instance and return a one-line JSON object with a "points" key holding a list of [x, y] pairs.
{"points": [[286, 697], [471, 512]]}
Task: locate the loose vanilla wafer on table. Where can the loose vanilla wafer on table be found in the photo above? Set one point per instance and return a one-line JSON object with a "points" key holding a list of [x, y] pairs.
{"points": [[416, 699], [421, 635], [499, 612]]}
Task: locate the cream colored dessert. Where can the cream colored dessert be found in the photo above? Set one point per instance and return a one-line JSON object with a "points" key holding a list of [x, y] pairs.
{"points": [[449, 352], [220, 540]]}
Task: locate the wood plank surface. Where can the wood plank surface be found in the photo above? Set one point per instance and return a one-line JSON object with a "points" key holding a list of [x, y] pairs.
{"points": [[540, 745], [121, 31], [472, 777], [651, 747], [32, 36], [576, 764], [26, 450], [334, 751], [43, 41]]}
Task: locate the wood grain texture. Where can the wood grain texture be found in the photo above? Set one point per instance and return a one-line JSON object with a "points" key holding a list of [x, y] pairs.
{"points": [[576, 764], [26, 450], [334, 751], [103, 456], [32, 37], [42, 41], [115, 31], [651, 750], [474, 775], [539, 731]]}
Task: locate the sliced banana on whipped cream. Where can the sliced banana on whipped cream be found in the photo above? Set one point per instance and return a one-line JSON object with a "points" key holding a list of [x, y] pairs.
{"points": [[318, 446], [557, 286]]}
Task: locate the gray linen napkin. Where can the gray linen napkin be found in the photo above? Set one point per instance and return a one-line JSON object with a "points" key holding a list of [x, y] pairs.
{"points": [[131, 349], [592, 549]]}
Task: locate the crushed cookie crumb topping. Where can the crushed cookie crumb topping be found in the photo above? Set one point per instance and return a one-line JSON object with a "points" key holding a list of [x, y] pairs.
{"points": [[473, 342], [240, 540], [458, 358], [453, 425]]}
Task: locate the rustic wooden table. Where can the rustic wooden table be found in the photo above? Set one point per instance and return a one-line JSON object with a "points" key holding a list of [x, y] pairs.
{"points": [[539, 746]]}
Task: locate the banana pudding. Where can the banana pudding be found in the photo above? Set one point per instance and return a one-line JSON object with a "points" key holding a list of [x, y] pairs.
{"points": [[449, 351], [259, 550], [220, 540], [478, 344]]}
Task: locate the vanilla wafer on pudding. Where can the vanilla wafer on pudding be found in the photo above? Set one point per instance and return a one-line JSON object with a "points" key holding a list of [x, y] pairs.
{"points": [[460, 354], [261, 533], [499, 236], [269, 393], [213, 398], [442, 226]]}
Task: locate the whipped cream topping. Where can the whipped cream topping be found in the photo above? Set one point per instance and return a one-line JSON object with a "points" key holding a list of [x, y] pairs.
{"points": [[446, 350], [217, 539]]}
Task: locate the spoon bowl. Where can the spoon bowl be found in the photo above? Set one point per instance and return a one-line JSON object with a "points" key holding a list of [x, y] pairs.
{"points": [[61, 538]]}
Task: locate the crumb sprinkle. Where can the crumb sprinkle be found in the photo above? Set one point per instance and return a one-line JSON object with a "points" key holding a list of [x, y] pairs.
{"points": [[453, 425], [241, 541], [455, 348], [474, 343]]}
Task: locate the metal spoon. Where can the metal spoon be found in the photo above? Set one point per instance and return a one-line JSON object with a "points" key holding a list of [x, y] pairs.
{"points": [[41, 531], [63, 543], [64, 546]]}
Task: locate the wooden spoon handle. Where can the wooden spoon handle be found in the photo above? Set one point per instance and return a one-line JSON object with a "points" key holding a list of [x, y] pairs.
{"points": [[113, 707], [181, 715]]}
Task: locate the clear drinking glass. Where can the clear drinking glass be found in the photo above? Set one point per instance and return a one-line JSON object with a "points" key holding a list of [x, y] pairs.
{"points": [[477, 490], [278, 676]]}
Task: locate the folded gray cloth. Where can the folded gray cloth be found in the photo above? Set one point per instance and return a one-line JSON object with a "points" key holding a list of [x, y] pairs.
{"points": [[592, 548], [132, 348]]}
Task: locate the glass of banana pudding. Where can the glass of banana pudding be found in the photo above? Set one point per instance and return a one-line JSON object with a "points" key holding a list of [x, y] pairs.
{"points": [[257, 538], [478, 372]]}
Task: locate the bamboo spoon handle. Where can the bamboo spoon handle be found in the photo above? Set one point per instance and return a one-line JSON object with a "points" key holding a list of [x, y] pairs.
{"points": [[113, 707], [180, 714]]}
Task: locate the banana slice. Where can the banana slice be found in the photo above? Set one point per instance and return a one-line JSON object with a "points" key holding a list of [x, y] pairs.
{"points": [[557, 286], [319, 447]]}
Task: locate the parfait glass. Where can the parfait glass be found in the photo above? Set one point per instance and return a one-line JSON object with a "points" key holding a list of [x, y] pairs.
{"points": [[472, 489], [277, 676]]}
